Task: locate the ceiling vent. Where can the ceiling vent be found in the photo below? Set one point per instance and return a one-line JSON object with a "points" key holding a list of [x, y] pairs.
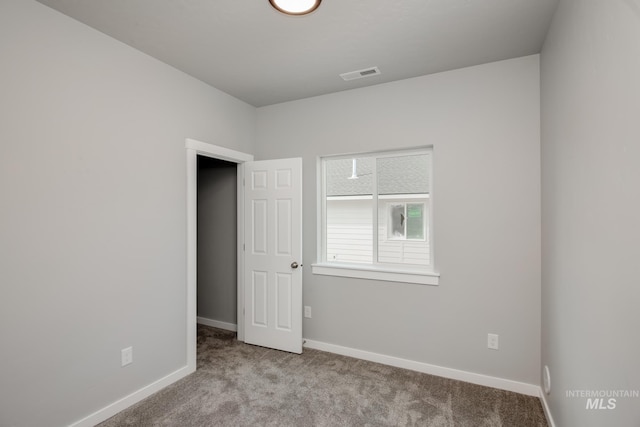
{"points": [[360, 74]]}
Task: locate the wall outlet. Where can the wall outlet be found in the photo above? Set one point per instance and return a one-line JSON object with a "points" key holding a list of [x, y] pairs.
{"points": [[492, 341], [307, 311], [126, 356]]}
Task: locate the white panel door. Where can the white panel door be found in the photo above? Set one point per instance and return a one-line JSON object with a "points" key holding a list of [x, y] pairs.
{"points": [[273, 254]]}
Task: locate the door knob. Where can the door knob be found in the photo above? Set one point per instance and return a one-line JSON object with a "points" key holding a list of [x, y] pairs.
{"points": [[294, 265]]}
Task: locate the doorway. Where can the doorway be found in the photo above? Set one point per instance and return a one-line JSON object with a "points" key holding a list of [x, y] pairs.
{"points": [[217, 257], [273, 226], [195, 149]]}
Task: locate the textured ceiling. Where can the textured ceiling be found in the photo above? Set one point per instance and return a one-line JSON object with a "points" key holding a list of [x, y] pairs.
{"points": [[249, 50]]}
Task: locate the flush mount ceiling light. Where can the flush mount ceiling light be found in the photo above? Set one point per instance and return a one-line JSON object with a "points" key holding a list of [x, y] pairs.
{"points": [[295, 7]]}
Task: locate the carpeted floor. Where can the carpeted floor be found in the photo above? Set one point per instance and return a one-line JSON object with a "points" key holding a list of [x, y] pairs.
{"points": [[242, 385]]}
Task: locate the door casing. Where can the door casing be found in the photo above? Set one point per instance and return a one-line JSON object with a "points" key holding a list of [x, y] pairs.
{"points": [[193, 150]]}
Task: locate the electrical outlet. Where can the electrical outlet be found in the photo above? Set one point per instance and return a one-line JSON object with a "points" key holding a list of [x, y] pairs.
{"points": [[492, 341], [307, 311], [126, 356]]}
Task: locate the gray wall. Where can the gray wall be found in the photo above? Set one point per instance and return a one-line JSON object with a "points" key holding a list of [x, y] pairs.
{"points": [[217, 240], [484, 125], [93, 226], [93, 217], [591, 199]]}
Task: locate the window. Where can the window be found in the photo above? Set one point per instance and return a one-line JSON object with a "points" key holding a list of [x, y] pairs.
{"points": [[406, 221], [375, 216]]}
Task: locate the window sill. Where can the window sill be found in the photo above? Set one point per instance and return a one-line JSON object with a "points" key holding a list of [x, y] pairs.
{"points": [[421, 277]]}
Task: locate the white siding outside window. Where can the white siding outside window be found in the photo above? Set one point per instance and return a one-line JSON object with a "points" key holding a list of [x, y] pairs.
{"points": [[402, 250], [349, 236], [349, 230]]}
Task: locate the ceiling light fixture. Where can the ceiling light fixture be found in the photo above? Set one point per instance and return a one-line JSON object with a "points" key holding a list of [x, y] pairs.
{"points": [[295, 7]]}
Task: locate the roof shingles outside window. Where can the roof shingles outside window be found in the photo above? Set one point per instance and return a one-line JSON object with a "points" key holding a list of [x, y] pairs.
{"points": [[396, 175]]}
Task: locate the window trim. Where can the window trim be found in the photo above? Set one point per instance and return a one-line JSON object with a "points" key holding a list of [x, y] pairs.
{"points": [[375, 272], [408, 273]]}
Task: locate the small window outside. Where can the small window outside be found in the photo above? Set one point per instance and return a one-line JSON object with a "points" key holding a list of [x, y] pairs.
{"points": [[406, 221], [376, 210]]}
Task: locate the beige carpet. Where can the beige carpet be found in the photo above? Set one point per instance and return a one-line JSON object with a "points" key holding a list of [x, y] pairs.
{"points": [[242, 385]]}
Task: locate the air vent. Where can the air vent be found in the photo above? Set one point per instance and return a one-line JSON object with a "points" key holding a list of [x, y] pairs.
{"points": [[360, 74]]}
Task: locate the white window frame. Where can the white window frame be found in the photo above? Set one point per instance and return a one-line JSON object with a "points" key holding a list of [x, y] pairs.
{"points": [[405, 273]]}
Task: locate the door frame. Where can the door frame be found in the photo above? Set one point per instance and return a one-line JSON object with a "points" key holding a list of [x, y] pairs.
{"points": [[193, 150]]}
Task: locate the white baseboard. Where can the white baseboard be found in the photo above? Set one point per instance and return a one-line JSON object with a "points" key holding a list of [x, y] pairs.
{"points": [[455, 374], [135, 397], [218, 324], [545, 407], [470, 377]]}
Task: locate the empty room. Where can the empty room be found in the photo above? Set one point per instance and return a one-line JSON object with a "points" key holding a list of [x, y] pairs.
{"points": [[423, 212]]}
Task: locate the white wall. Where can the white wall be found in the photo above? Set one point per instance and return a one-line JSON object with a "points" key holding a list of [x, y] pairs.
{"points": [[93, 217], [484, 125], [590, 69]]}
